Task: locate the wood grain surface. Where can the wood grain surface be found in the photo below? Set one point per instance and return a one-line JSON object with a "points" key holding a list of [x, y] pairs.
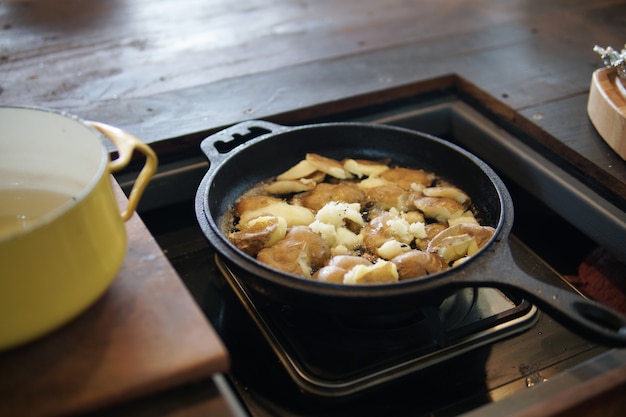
{"points": [[171, 71]]}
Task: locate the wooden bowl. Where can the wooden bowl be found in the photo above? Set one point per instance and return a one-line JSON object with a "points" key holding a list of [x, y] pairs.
{"points": [[607, 108]]}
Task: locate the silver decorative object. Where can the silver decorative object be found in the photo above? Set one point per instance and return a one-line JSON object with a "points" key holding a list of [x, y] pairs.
{"points": [[613, 59]]}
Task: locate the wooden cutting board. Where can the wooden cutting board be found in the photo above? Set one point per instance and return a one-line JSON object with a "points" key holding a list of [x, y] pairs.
{"points": [[607, 108], [144, 335]]}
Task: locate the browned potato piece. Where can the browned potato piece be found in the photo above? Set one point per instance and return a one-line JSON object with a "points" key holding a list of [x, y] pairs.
{"points": [[378, 273], [325, 193], [254, 203], [301, 251], [301, 170], [249, 208], [330, 273], [330, 166], [365, 168], [338, 266], [440, 208], [290, 186], [388, 196], [460, 240], [407, 177], [376, 233], [348, 261], [263, 232], [382, 224], [431, 231], [287, 256], [481, 234], [449, 192], [416, 263]]}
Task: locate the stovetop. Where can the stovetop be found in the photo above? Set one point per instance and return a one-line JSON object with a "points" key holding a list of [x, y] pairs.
{"points": [[335, 355], [273, 374], [529, 350]]}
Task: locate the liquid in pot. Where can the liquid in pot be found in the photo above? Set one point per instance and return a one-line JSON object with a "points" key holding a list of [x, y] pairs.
{"points": [[20, 207]]}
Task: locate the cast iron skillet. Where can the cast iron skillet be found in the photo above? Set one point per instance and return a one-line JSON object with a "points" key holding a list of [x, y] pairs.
{"points": [[253, 151]]}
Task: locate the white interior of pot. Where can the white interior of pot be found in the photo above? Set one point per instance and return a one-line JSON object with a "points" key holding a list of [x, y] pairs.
{"points": [[43, 150]]}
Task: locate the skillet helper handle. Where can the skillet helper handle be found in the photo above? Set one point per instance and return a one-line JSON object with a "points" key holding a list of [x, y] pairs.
{"points": [[217, 146], [587, 318], [590, 319], [126, 145]]}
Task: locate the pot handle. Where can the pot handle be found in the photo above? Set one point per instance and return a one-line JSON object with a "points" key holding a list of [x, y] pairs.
{"points": [[590, 319], [217, 146], [126, 145]]}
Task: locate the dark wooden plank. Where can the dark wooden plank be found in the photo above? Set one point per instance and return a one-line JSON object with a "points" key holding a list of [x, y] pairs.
{"points": [[563, 126], [72, 54], [133, 65], [493, 52]]}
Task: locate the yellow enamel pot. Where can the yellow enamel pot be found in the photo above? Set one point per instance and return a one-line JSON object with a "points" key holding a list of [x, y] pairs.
{"points": [[62, 236]]}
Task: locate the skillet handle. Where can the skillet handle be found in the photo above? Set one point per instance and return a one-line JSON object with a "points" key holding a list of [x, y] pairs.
{"points": [[219, 145], [587, 318]]}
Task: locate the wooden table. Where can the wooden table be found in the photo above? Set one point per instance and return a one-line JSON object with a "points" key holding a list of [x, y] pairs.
{"points": [[173, 70], [176, 69]]}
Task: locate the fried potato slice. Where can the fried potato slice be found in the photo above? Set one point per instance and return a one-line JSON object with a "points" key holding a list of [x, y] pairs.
{"points": [[259, 233], [294, 215], [299, 253], [364, 168], [392, 248], [301, 170], [441, 209], [409, 179], [467, 217], [416, 263], [460, 240], [330, 166], [449, 192], [338, 266], [254, 202], [282, 187], [324, 193], [381, 272]]}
